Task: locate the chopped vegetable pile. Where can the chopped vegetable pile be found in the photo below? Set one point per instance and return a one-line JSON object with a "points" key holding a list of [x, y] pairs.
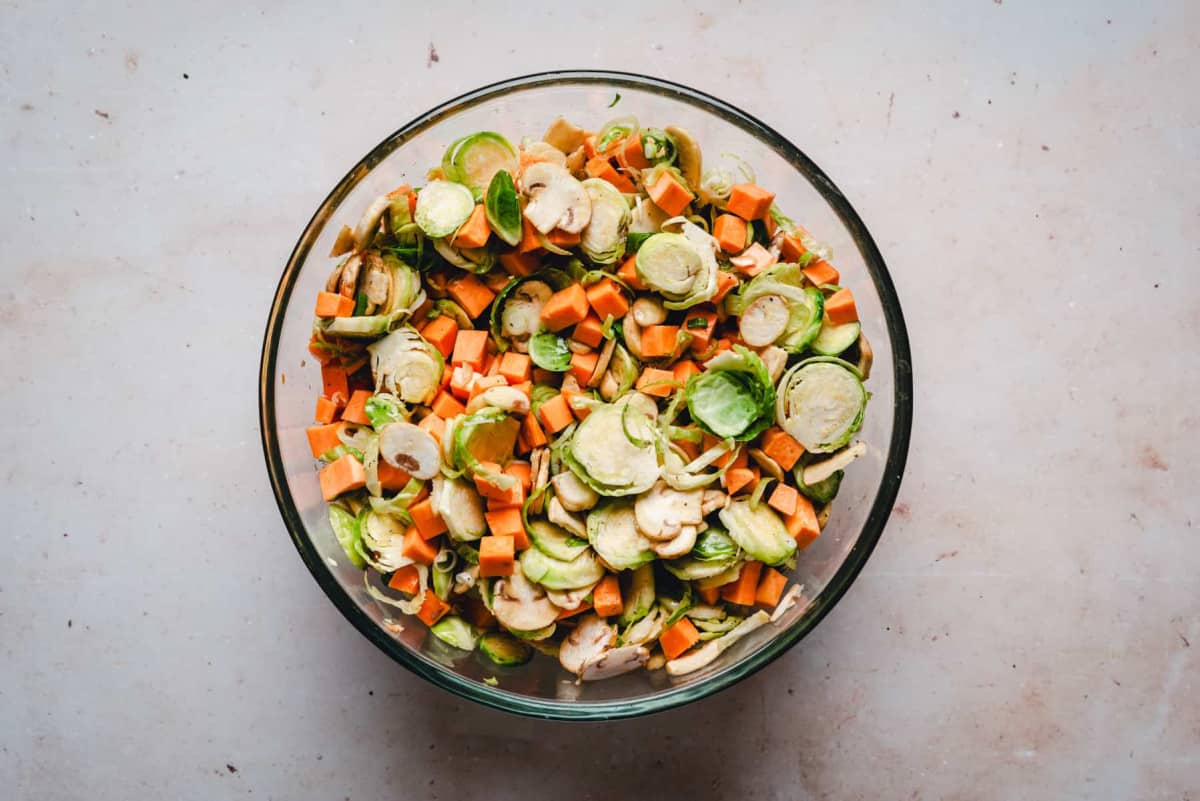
{"points": [[584, 397]]}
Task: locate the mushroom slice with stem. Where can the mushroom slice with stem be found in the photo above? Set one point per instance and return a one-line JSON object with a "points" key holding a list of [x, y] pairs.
{"points": [[572, 494], [819, 471], [591, 638], [522, 605], [570, 599], [689, 158], [662, 512], [614, 662], [712, 501], [556, 199], [410, 448], [680, 546], [510, 399], [764, 320], [560, 517]]}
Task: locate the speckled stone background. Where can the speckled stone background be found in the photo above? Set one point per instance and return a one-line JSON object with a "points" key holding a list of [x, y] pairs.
{"points": [[1029, 627]]}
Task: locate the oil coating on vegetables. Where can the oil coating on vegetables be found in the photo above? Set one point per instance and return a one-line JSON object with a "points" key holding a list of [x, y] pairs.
{"points": [[566, 414]]}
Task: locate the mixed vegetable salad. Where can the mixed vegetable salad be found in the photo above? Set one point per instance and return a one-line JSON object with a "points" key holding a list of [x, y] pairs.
{"points": [[584, 396]]}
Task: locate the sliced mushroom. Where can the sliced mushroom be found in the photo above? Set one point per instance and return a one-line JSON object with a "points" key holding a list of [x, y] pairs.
{"points": [[609, 386], [335, 278], [368, 224], [656, 661], [546, 152], [377, 280], [712, 501], [410, 448], [344, 242], [591, 638], [602, 363], [768, 465], [774, 358], [662, 512], [632, 333], [764, 320], [556, 199], [559, 516], [539, 468], [647, 310], [614, 662], [570, 599], [866, 356], [521, 316], [819, 471], [576, 161], [510, 399], [680, 546], [573, 494], [688, 150], [520, 604], [564, 136], [578, 347], [348, 282]]}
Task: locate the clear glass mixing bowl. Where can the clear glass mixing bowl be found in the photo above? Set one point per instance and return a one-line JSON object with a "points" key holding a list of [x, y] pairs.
{"points": [[525, 106]]}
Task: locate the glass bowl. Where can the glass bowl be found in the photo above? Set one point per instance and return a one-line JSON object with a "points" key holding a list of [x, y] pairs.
{"points": [[525, 106]]}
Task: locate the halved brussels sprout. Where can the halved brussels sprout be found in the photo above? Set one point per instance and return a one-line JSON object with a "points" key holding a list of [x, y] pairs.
{"points": [[407, 366], [821, 403], [348, 534], [604, 458], [475, 158], [505, 650], [460, 507], [383, 541], [556, 574], [639, 595], [456, 632], [603, 240], [682, 267], [442, 208], [759, 531], [613, 532], [733, 397]]}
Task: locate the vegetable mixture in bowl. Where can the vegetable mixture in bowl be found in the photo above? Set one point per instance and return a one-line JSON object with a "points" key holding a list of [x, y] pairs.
{"points": [[590, 395]]}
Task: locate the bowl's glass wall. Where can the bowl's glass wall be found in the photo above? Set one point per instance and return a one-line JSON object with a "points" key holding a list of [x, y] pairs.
{"points": [[526, 110]]}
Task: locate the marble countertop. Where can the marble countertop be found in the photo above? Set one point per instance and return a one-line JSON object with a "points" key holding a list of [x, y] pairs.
{"points": [[1029, 626]]}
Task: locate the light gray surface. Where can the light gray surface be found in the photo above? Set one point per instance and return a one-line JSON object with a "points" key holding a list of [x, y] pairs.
{"points": [[1023, 629]]}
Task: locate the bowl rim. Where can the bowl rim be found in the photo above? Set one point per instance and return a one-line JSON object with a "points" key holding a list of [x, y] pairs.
{"points": [[672, 697]]}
